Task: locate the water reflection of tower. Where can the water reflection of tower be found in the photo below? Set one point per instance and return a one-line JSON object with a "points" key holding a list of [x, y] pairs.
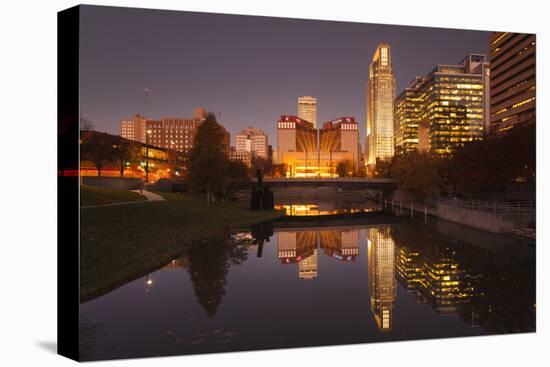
{"points": [[307, 268], [342, 245], [382, 283]]}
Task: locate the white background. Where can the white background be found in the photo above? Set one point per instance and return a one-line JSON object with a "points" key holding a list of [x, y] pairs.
{"points": [[28, 182]]}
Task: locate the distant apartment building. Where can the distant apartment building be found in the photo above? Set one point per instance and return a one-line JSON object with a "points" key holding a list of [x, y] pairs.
{"points": [[168, 132], [307, 109], [445, 109], [134, 129], [254, 141], [173, 133], [512, 58], [379, 143], [339, 140], [241, 156]]}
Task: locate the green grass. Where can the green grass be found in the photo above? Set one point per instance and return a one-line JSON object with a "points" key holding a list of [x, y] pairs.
{"points": [[90, 195], [123, 242]]}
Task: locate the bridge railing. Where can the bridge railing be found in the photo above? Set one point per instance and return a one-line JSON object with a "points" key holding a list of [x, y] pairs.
{"points": [[492, 206]]}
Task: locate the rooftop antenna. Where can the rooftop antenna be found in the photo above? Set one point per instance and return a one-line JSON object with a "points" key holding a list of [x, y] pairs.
{"points": [[146, 103]]}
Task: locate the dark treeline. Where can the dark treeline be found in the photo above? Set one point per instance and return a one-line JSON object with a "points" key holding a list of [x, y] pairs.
{"points": [[479, 169]]}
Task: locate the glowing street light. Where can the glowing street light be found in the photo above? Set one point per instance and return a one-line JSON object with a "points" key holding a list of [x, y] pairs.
{"points": [[148, 132]]}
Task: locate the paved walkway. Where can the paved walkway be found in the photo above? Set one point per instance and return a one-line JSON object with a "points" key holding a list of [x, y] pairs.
{"points": [[148, 194]]}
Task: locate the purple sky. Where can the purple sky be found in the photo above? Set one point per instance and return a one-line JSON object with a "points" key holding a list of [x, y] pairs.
{"points": [[248, 69]]}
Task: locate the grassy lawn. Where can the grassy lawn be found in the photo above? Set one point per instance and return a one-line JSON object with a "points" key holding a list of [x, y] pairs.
{"points": [[90, 195], [121, 243]]}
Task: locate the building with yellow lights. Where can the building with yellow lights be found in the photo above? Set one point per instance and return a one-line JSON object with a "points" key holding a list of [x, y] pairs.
{"points": [[297, 146], [379, 142], [408, 109], [338, 140], [161, 162], [307, 109], [513, 68], [445, 109]]}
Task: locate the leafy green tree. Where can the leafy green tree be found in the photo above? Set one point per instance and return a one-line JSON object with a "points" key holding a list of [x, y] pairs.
{"points": [[209, 263], [487, 166], [360, 171], [238, 172], [382, 168], [208, 160], [344, 168], [96, 148], [418, 173], [124, 151]]}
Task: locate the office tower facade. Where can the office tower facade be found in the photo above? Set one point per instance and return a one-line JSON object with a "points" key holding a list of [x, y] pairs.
{"points": [[380, 97], [296, 145], [513, 68], [381, 275], [307, 109], [339, 140], [253, 141], [455, 105], [445, 109], [134, 129], [407, 114]]}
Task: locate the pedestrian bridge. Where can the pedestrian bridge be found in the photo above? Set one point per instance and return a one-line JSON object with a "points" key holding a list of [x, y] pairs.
{"points": [[348, 183]]}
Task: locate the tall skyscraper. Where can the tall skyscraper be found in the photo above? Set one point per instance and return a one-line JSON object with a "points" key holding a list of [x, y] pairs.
{"points": [[307, 109], [512, 59], [253, 141], [380, 96]]}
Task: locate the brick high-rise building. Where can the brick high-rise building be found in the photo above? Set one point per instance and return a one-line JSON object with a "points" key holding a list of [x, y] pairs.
{"points": [[134, 129], [512, 58], [169, 132]]}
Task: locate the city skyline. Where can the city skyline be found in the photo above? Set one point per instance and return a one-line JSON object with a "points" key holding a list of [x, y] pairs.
{"points": [[268, 81]]}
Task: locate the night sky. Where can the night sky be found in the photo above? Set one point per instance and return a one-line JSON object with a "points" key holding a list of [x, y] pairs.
{"points": [[250, 70]]}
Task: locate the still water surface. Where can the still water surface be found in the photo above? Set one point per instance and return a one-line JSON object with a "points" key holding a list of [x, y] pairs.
{"points": [[308, 284]]}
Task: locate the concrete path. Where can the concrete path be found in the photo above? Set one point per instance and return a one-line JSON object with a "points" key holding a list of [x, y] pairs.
{"points": [[148, 194]]}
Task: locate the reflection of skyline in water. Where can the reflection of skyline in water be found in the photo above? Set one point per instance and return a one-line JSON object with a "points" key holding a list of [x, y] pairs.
{"points": [[301, 247], [481, 283], [381, 282]]}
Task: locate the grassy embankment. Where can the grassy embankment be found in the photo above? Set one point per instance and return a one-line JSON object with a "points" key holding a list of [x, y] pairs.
{"points": [[123, 242], [90, 195]]}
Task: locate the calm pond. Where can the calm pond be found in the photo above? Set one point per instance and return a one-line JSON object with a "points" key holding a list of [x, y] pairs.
{"points": [[311, 283]]}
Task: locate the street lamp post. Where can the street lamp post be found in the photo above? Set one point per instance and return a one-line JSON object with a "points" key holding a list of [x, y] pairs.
{"points": [[148, 132]]}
